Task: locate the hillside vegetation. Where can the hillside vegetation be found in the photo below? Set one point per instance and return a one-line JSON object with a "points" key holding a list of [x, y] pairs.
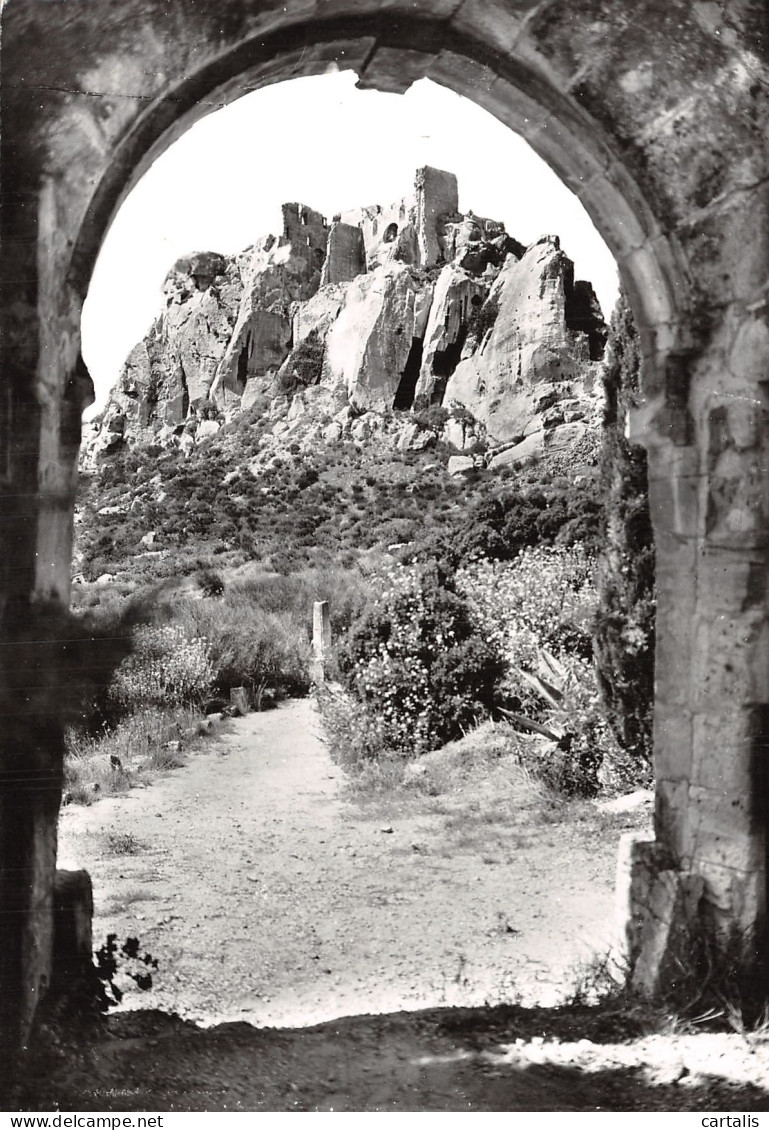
{"points": [[401, 419], [455, 598]]}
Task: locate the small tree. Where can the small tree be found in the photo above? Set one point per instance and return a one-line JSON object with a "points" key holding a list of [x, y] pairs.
{"points": [[624, 627]]}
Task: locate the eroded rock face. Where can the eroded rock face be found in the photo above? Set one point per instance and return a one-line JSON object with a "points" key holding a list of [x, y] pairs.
{"points": [[524, 358], [368, 345], [274, 278], [175, 365], [457, 297], [387, 308]]}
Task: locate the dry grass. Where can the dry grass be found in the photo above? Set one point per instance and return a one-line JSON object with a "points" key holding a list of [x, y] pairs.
{"points": [[123, 843], [488, 800], [143, 744], [123, 901]]}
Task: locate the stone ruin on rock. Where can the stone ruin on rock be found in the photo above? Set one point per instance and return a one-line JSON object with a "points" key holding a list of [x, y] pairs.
{"points": [[386, 308]]}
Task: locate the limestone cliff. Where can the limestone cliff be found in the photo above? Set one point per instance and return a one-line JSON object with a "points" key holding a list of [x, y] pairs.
{"points": [[386, 309], [529, 359]]}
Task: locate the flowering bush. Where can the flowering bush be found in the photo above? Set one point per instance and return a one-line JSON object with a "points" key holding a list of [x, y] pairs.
{"points": [[537, 610], [417, 662], [166, 668], [355, 734], [545, 592], [543, 598]]}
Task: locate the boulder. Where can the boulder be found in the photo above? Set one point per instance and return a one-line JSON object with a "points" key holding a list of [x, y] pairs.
{"points": [[531, 448], [207, 429], [565, 436], [460, 464]]}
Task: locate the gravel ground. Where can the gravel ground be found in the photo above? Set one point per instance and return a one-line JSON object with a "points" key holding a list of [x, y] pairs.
{"points": [[271, 897]]}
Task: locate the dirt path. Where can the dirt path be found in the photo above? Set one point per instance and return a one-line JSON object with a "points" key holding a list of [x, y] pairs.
{"points": [[269, 897]]}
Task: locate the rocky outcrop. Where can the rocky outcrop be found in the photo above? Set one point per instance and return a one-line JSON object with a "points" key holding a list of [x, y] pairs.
{"points": [[276, 276], [409, 306], [523, 359], [175, 365], [457, 296], [413, 229], [369, 343]]}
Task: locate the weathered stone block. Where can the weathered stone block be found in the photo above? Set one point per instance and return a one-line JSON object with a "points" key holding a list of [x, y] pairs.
{"points": [[240, 699], [724, 742], [723, 830], [673, 741], [730, 582], [670, 816], [722, 657], [72, 938], [637, 858], [674, 642], [734, 901], [674, 496], [321, 639], [670, 920], [724, 265]]}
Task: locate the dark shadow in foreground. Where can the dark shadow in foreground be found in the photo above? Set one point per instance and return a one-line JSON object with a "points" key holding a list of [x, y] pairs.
{"points": [[507, 1058]]}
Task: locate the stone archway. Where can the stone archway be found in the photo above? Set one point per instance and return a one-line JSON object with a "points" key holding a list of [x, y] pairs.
{"points": [[655, 115]]}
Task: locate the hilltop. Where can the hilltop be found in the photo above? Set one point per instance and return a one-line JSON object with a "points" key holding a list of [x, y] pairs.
{"points": [[341, 386]]}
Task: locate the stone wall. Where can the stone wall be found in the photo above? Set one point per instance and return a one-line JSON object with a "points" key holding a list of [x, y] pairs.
{"points": [[658, 122], [345, 254], [424, 210]]}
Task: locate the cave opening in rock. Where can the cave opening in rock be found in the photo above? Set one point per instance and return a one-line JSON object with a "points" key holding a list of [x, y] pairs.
{"points": [[404, 397]]}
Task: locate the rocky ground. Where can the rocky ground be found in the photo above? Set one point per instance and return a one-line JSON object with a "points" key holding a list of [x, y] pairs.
{"points": [[275, 901]]}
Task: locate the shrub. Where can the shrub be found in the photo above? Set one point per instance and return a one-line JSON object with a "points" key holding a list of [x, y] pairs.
{"points": [[537, 611], [167, 668], [305, 362], [355, 735], [250, 647], [416, 662], [113, 962], [434, 417], [545, 597], [483, 318], [210, 582], [505, 520]]}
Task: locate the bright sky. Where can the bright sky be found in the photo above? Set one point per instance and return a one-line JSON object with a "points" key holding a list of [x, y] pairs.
{"points": [[323, 143]]}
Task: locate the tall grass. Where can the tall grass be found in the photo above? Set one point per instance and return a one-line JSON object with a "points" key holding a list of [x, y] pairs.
{"points": [[258, 632], [115, 760]]}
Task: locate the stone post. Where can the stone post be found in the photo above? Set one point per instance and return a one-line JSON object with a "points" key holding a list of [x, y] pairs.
{"points": [[321, 639]]}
